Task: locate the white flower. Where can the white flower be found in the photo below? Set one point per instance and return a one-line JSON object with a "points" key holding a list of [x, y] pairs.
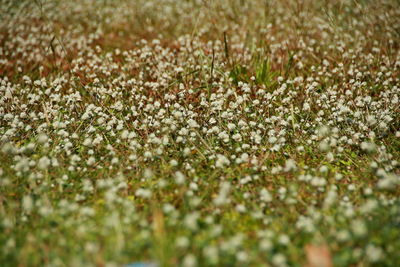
{"points": [[290, 165], [389, 181], [189, 261], [211, 254], [265, 196], [222, 161], [222, 197], [182, 242], [374, 253], [231, 126], [193, 124], [173, 163], [368, 147], [179, 178], [43, 163], [323, 169], [190, 220], [279, 259], [144, 193], [42, 138], [27, 203]]}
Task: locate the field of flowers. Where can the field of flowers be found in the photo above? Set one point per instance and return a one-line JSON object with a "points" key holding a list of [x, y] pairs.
{"points": [[200, 133]]}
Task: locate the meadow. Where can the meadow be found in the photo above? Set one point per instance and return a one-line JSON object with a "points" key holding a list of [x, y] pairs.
{"points": [[200, 133]]}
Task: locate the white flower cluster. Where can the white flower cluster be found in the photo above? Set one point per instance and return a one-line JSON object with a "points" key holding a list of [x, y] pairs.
{"points": [[198, 132]]}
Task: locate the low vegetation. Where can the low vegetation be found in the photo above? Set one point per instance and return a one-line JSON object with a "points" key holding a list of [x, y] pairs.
{"points": [[199, 133]]}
